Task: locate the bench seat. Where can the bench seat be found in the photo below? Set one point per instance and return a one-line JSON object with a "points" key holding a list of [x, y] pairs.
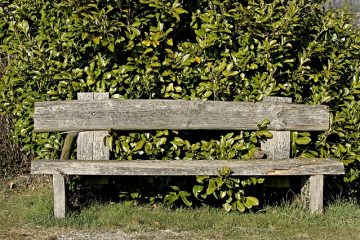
{"points": [[253, 167]]}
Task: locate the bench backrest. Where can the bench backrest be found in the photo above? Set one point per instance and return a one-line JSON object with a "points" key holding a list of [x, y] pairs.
{"points": [[81, 115], [94, 114]]}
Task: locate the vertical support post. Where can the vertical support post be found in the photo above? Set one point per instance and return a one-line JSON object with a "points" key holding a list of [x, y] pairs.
{"points": [[59, 183], [312, 193], [278, 147], [90, 144], [59, 195]]}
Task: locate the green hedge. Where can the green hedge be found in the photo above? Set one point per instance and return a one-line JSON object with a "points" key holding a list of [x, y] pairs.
{"points": [[215, 50]]}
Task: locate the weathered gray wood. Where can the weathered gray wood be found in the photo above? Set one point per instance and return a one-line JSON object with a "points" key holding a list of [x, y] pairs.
{"points": [[176, 114], [85, 139], [93, 113], [100, 150], [316, 190], [312, 192], [59, 187], [59, 195], [85, 145], [279, 145], [257, 167], [91, 144]]}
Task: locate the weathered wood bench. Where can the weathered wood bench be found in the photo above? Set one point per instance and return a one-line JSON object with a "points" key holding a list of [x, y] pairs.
{"points": [[93, 114]]}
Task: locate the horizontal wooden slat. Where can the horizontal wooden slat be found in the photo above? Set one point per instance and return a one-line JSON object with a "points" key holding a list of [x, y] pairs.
{"points": [[260, 167], [149, 114]]}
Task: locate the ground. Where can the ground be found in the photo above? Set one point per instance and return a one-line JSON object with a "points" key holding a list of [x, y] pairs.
{"points": [[26, 213]]}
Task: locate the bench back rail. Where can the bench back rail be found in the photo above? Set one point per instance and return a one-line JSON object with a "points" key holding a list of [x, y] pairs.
{"points": [[82, 115]]}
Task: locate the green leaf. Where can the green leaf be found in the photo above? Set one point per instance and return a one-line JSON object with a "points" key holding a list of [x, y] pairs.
{"points": [[264, 123], [253, 201], [201, 179], [211, 187], [170, 198], [207, 94], [303, 140], [161, 141], [265, 133], [111, 47], [178, 141], [227, 207], [176, 188], [229, 135], [135, 195], [260, 180], [84, 35], [197, 189], [96, 40], [169, 42], [139, 145], [222, 194], [107, 75], [184, 196], [240, 206], [247, 204], [307, 155]]}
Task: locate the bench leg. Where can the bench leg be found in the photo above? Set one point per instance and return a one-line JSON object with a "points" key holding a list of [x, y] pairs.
{"points": [[312, 193], [59, 196]]}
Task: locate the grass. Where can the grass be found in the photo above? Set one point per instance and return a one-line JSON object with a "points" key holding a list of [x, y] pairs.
{"points": [[26, 211]]}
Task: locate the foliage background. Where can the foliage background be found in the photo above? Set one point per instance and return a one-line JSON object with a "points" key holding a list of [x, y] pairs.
{"points": [[214, 50]]}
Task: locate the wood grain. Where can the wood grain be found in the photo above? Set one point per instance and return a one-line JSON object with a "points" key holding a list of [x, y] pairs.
{"points": [[257, 167], [59, 195], [316, 192], [59, 183], [148, 114], [279, 145], [91, 144], [312, 192], [93, 115]]}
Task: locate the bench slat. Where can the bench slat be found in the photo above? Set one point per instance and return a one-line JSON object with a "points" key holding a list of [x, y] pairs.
{"points": [[148, 114], [257, 167]]}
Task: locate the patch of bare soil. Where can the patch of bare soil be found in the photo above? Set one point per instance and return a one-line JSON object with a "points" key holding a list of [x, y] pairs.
{"points": [[30, 233], [119, 234]]}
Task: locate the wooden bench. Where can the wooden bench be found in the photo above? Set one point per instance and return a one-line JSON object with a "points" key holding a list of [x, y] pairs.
{"points": [[93, 114]]}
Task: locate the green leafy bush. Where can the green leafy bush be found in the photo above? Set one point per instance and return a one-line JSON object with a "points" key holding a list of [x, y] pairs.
{"points": [[222, 190], [227, 190], [215, 50]]}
